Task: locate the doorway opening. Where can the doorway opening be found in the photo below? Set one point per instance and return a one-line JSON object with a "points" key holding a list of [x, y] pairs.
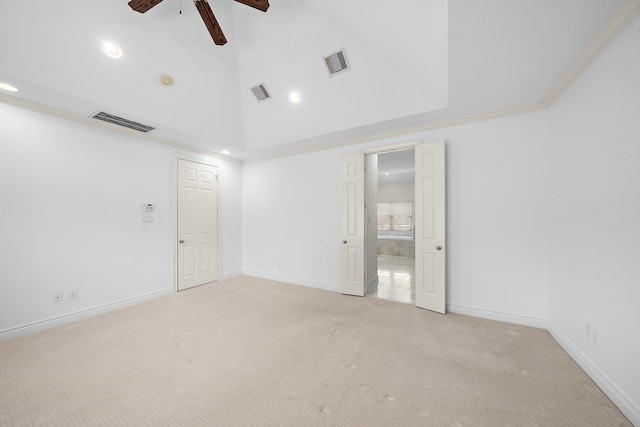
{"points": [[359, 223], [394, 209]]}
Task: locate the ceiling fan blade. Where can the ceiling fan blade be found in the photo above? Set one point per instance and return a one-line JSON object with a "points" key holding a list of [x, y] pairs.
{"points": [[262, 5], [211, 22], [143, 5]]}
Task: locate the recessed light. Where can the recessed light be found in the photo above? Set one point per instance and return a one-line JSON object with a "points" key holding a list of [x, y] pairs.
{"points": [[294, 97], [226, 152], [386, 173], [7, 87], [111, 49]]}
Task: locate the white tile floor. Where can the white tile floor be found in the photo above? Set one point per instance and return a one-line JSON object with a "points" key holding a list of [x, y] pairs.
{"points": [[396, 279]]}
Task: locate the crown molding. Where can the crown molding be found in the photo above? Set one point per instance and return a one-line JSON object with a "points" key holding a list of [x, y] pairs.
{"points": [[88, 121], [618, 22]]}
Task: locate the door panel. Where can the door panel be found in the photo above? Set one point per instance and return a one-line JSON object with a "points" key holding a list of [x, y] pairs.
{"points": [[352, 224], [197, 224], [430, 226]]}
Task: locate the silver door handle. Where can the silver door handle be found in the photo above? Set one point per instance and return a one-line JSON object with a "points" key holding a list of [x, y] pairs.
{"points": [[181, 241], [438, 248]]}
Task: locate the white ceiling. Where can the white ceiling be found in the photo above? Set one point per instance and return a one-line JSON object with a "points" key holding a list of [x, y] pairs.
{"points": [[413, 62]]}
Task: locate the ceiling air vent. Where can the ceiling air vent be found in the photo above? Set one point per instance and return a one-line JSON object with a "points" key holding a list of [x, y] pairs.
{"points": [[110, 118], [260, 92], [337, 62]]}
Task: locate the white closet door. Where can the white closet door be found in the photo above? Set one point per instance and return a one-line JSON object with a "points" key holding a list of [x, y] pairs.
{"points": [[197, 224]]}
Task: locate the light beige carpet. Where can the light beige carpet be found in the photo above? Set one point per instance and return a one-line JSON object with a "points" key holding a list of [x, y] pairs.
{"points": [[252, 352]]}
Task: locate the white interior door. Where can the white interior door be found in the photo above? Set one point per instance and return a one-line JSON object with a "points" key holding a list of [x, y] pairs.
{"points": [[430, 226], [197, 224], [352, 224]]}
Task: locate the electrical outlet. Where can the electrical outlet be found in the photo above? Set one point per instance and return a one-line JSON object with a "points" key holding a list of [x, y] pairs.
{"points": [[594, 335], [73, 294], [57, 297], [588, 331]]}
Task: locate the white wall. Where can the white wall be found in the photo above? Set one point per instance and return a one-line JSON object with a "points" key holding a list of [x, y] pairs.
{"points": [[497, 217], [595, 220], [70, 218], [291, 219], [396, 193]]}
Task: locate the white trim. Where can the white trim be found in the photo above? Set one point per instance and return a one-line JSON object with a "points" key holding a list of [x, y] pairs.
{"points": [[623, 17], [231, 274], [404, 131], [294, 281], [219, 225], [617, 396], [63, 319], [174, 211], [88, 121], [393, 147], [516, 319], [174, 222]]}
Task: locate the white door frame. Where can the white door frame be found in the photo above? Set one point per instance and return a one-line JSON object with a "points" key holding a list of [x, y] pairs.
{"points": [[380, 150], [397, 147], [174, 218], [394, 147]]}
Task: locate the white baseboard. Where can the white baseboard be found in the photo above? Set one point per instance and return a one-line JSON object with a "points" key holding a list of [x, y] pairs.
{"points": [[617, 396], [294, 281], [41, 325], [231, 274], [499, 316]]}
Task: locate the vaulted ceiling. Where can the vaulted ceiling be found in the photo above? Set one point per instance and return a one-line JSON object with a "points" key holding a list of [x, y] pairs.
{"points": [[412, 62]]}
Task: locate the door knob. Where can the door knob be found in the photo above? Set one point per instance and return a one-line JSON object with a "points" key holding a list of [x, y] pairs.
{"points": [[181, 241], [438, 248], [344, 241]]}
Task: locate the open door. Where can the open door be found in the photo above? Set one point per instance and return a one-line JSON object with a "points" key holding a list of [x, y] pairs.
{"points": [[430, 226], [352, 224]]}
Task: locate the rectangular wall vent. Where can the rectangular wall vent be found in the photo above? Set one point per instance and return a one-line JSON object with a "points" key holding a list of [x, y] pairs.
{"points": [[120, 121], [337, 62], [260, 92]]}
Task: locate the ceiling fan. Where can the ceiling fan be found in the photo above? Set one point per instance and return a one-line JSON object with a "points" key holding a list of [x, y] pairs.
{"points": [[205, 12]]}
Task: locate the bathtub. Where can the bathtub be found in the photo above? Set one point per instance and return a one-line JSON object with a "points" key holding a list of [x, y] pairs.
{"points": [[391, 237], [399, 245]]}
